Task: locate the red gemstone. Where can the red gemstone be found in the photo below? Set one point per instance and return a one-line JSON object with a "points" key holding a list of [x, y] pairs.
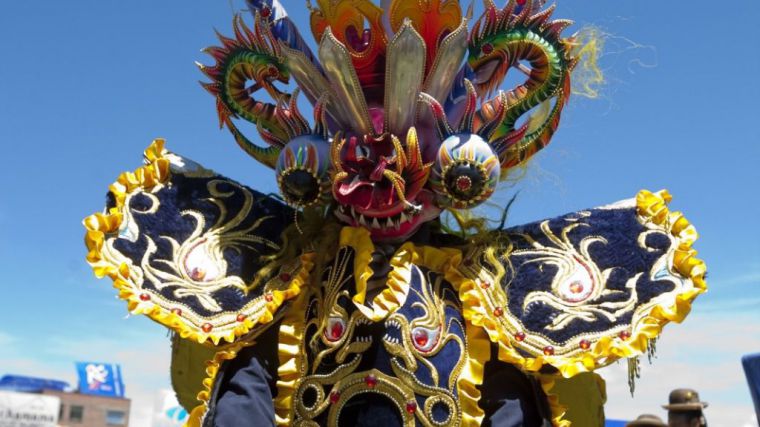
{"points": [[421, 337], [177, 311], [498, 311], [521, 2], [549, 350], [285, 277], [334, 397], [144, 297], [265, 11], [336, 330], [520, 336], [625, 335], [198, 274], [370, 380], [485, 285], [268, 297], [411, 407], [241, 317], [585, 344], [464, 183], [207, 327], [576, 287], [273, 71], [487, 48]]}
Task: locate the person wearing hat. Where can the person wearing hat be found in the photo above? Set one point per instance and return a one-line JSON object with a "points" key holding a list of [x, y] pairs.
{"points": [[685, 409], [647, 420]]}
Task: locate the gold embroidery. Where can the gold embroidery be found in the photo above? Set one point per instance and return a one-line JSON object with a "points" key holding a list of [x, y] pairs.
{"points": [[579, 285], [103, 230], [331, 356], [412, 348], [482, 300], [198, 267]]}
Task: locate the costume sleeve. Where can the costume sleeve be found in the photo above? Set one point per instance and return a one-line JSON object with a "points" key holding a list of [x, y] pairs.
{"points": [[509, 398], [193, 250], [582, 290], [247, 386]]}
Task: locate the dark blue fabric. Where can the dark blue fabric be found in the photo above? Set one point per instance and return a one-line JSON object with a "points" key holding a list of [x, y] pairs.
{"points": [[621, 253], [245, 394], [369, 410], [751, 364], [184, 193], [511, 398], [371, 407]]}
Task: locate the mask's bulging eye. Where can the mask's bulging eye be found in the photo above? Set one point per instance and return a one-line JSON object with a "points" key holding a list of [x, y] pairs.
{"points": [[303, 171], [466, 171], [425, 339]]}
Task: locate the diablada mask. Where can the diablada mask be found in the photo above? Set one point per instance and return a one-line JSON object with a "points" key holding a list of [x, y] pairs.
{"points": [[401, 130]]}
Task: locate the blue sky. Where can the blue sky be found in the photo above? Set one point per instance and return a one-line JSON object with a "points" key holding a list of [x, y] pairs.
{"points": [[86, 85]]}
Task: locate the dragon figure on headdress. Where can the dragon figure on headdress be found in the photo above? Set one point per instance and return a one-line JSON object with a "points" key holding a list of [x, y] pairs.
{"points": [[347, 301]]}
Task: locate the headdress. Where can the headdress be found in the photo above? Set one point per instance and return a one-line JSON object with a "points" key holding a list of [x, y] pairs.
{"points": [[407, 117]]}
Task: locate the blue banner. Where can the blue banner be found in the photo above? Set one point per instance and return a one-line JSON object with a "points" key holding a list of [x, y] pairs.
{"points": [[102, 379]]}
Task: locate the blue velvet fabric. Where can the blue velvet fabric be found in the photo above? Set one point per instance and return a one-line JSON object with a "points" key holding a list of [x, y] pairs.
{"points": [[621, 253], [182, 194]]}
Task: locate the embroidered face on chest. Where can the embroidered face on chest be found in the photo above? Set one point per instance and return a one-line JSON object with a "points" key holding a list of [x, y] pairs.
{"points": [[412, 357]]}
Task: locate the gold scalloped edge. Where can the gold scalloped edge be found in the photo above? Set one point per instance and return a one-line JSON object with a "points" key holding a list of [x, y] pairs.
{"points": [[195, 418], [446, 261], [479, 351], [157, 172], [651, 207], [397, 284], [288, 349], [290, 357], [557, 409]]}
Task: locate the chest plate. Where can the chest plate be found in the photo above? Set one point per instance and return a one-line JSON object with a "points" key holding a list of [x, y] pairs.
{"points": [[403, 368]]}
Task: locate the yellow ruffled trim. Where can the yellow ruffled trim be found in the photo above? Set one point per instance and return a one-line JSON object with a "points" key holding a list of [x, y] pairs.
{"points": [[652, 207], [288, 345], [557, 409], [290, 356], [479, 351], [155, 173], [446, 261], [397, 283], [212, 369]]}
